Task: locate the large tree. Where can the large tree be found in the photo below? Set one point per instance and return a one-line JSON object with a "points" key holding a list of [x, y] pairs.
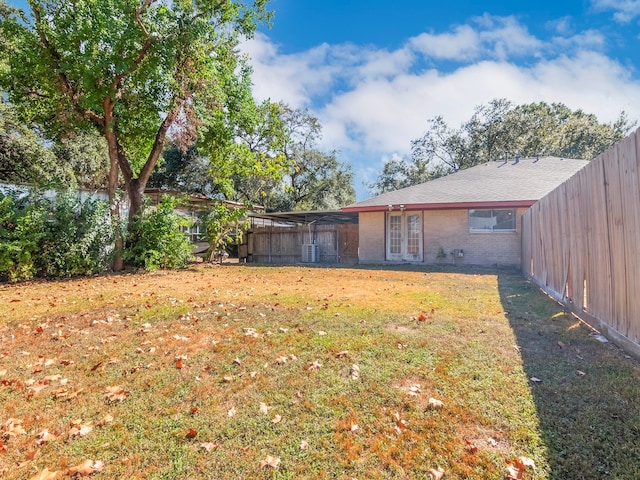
{"points": [[501, 129], [316, 179], [25, 156], [133, 70], [313, 179]]}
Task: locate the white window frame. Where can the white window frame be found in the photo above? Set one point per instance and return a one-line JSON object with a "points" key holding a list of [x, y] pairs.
{"points": [[490, 225], [401, 242]]}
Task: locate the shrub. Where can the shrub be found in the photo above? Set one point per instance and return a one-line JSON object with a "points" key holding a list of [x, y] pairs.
{"points": [[223, 226], [78, 239], [21, 231], [53, 238], [156, 239]]}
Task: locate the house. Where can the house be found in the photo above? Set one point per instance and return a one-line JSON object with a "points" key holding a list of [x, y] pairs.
{"points": [[469, 217]]}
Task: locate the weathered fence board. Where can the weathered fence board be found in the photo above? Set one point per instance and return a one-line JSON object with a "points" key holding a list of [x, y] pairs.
{"points": [[582, 242], [283, 245]]}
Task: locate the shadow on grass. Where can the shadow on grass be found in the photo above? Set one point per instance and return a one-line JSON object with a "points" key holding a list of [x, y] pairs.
{"points": [[588, 396]]}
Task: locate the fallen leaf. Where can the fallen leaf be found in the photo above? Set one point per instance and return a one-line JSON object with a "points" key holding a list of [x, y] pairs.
{"points": [[517, 467], [401, 425], [104, 420], [13, 427], [276, 419], [46, 475], [86, 468], [44, 436], [79, 429], [264, 409], [561, 344], [471, 447], [208, 446], [322, 333], [414, 390], [304, 445], [581, 373], [437, 404], [355, 372], [232, 412], [31, 454], [192, 433], [315, 365], [436, 473], [354, 427], [535, 379], [270, 461], [342, 354], [116, 394]]}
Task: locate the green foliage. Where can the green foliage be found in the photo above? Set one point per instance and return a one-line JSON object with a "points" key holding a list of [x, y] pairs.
{"points": [[315, 180], [134, 71], [184, 171], [78, 237], [53, 238], [501, 129], [21, 231], [245, 148], [156, 239], [223, 226], [24, 155]]}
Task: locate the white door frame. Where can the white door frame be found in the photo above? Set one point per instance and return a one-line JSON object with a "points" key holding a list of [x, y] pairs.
{"points": [[404, 236]]}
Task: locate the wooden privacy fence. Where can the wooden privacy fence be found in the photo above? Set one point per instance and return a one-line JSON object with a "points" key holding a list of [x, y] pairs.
{"points": [[337, 243], [581, 243]]}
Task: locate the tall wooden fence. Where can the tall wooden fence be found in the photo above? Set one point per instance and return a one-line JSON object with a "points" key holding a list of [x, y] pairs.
{"points": [[581, 243], [337, 243]]}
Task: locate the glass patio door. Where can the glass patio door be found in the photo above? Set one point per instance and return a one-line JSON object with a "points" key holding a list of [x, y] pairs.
{"points": [[404, 236]]}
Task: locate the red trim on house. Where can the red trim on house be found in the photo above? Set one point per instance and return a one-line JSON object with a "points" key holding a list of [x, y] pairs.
{"points": [[442, 206]]}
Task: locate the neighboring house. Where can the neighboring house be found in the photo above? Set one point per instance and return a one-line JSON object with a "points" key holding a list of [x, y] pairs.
{"points": [[469, 217]]}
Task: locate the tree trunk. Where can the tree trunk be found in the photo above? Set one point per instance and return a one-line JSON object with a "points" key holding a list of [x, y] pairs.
{"points": [[114, 201]]}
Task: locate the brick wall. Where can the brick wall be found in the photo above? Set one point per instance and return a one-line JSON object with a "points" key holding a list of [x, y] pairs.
{"points": [[371, 232], [449, 230]]}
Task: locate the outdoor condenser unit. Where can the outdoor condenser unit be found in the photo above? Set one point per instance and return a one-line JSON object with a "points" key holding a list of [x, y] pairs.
{"points": [[310, 253]]}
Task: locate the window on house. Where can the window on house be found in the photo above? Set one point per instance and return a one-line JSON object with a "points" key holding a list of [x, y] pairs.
{"points": [[503, 220]]}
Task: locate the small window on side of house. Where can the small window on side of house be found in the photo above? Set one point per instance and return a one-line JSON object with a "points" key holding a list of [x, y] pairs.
{"points": [[492, 220]]}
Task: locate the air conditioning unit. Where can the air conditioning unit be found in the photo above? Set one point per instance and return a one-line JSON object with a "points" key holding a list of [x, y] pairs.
{"points": [[310, 253]]}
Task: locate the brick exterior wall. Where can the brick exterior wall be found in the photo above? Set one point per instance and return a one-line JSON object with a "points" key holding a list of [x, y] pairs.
{"points": [[449, 230], [371, 231]]}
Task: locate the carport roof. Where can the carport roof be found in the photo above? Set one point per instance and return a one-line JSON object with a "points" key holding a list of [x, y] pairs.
{"points": [[327, 217]]}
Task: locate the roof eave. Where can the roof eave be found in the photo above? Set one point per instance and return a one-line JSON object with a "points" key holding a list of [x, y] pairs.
{"points": [[441, 206]]}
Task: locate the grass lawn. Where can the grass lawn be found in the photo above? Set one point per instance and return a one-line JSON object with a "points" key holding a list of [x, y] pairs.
{"points": [[242, 372]]}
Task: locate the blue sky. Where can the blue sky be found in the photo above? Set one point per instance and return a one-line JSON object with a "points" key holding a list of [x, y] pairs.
{"points": [[375, 71]]}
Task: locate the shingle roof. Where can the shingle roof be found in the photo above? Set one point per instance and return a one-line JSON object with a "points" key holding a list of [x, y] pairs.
{"points": [[515, 183]]}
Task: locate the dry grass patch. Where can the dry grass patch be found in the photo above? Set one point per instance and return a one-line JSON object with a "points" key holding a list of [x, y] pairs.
{"points": [[247, 372]]}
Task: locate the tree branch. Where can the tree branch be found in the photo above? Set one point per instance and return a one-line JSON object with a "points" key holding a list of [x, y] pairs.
{"points": [[65, 83]]}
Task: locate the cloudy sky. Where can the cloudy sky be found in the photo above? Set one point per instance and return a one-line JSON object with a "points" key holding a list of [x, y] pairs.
{"points": [[373, 72]]}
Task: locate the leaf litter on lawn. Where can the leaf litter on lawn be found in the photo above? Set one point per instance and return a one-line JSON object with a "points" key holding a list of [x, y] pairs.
{"points": [[329, 374]]}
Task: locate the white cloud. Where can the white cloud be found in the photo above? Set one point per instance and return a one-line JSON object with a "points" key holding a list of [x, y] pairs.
{"points": [[372, 103], [488, 36], [625, 10]]}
